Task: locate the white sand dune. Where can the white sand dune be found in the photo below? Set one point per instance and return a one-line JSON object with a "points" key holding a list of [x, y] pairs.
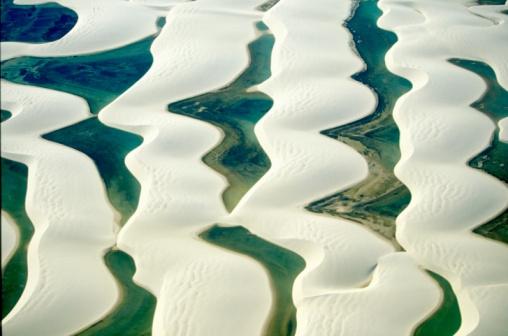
{"points": [[439, 134], [352, 275], [312, 91], [68, 285], [101, 25], [391, 303], [9, 238], [503, 129], [201, 289]]}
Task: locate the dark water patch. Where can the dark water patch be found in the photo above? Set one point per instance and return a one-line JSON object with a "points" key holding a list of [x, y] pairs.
{"points": [[5, 115], [494, 102], [35, 23], [491, 2], [446, 320], [267, 5], [134, 316], [15, 273], [494, 159], [107, 147], [235, 110], [496, 228], [282, 265], [99, 78], [377, 200]]}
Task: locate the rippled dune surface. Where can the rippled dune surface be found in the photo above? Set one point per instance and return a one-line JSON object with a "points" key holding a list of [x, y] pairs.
{"points": [[264, 168]]}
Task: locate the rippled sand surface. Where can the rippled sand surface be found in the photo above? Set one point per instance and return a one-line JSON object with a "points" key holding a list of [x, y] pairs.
{"points": [[254, 167]]}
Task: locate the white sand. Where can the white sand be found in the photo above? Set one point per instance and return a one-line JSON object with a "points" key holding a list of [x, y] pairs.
{"points": [[386, 307], [503, 129], [201, 289], [439, 134], [10, 238], [68, 286], [101, 25]]}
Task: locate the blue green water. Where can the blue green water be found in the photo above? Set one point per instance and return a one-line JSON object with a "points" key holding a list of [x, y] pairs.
{"points": [[99, 78], [446, 319], [35, 23], [494, 159], [15, 273], [239, 157], [282, 265], [377, 200]]}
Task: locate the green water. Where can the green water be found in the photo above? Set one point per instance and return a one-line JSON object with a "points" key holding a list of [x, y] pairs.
{"points": [[377, 200], [239, 157], [99, 78], [5, 115], [107, 147], [134, 316], [35, 23], [494, 159], [15, 273], [282, 265], [446, 319]]}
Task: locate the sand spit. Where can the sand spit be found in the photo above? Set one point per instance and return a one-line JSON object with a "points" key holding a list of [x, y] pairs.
{"points": [[312, 90], [200, 289], [68, 285], [102, 25], [440, 132], [9, 238]]}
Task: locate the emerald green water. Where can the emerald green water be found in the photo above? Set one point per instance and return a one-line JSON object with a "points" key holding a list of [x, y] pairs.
{"points": [[446, 319], [14, 275], [35, 23], [107, 147], [282, 265], [377, 200], [130, 317], [239, 157], [99, 78], [5, 115], [494, 159]]}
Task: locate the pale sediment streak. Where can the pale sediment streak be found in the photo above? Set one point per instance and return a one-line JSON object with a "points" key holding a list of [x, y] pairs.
{"points": [[440, 132], [200, 289], [68, 285], [312, 90]]}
